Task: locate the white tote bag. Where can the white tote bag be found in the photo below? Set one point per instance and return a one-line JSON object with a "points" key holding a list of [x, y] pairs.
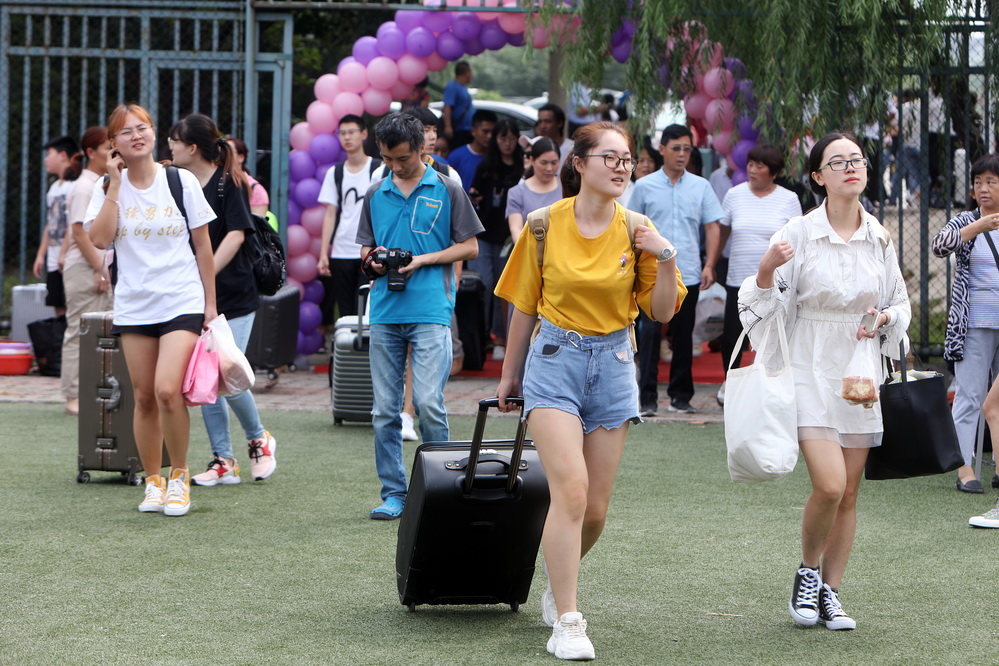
{"points": [[761, 420], [235, 373]]}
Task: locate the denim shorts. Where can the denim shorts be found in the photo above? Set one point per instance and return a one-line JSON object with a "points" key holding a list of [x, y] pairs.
{"points": [[591, 376]]}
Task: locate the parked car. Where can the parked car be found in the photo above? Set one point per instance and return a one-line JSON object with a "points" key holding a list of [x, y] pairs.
{"points": [[525, 116]]}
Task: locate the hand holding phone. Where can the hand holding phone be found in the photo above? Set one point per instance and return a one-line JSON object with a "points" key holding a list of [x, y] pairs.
{"points": [[867, 325]]}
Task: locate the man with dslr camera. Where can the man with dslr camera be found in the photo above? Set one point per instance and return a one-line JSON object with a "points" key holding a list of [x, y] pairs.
{"points": [[414, 225]]}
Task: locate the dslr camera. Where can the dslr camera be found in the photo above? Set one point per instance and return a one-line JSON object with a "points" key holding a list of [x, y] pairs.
{"points": [[394, 258]]}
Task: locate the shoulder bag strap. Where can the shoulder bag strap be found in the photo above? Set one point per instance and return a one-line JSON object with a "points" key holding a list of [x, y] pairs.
{"points": [[992, 246], [177, 192]]}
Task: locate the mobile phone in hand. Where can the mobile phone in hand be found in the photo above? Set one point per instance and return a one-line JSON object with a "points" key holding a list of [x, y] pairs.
{"points": [[869, 320]]}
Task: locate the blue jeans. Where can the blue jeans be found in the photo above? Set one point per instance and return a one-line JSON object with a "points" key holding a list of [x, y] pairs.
{"points": [[217, 415], [431, 353]]}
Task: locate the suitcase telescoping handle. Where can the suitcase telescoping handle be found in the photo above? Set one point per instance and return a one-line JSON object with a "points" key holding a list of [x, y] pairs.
{"points": [[480, 428], [361, 342]]}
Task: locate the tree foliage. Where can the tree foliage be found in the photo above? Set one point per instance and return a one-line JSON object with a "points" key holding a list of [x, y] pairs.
{"points": [[815, 65]]}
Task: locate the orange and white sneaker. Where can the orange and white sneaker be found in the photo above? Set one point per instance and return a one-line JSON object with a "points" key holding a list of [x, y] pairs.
{"points": [[155, 494], [178, 493], [220, 471], [262, 452]]}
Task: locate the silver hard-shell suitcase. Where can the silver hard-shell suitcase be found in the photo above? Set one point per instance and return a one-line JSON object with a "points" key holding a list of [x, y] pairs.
{"points": [[351, 393]]}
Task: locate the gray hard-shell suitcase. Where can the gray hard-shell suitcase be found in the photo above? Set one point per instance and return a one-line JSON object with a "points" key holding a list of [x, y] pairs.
{"points": [[351, 393], [274, 337], [107, 404], [471, 528]]}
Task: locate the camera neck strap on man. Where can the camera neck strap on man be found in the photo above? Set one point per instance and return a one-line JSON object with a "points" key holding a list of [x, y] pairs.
{"points": [[366, 268]]}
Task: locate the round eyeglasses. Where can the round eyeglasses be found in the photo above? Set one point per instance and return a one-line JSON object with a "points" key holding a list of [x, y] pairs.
{"points": [[613, 161]]}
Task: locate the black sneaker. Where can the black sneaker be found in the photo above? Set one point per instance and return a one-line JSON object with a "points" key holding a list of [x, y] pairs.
{"points": [[681, 406], [804, 604], [995, 480], [831, 611], [649, 409]]}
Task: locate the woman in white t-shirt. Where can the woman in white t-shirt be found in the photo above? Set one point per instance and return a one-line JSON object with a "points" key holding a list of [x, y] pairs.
{"points": [[85, 277], [164, 296], [753, 212]]}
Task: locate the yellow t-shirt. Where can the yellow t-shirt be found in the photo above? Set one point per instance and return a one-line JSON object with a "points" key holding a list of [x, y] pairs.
{"points": [[589, 283]]}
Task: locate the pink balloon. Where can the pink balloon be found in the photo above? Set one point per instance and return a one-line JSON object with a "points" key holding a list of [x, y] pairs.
{"points": [[411, 69], [401, 90], [298, 285], [718, 82], [298, 240], [376, 102], [320, 117], [716, 53], [326, 87], [513, 23], [347, 103], [695, 104], [300, 136], [722, 142], [435, 63], [382, 73], [353, 78], [303, 268], [541, 39], [312, 220], [316, 247], [719, 114], [450, 47]]}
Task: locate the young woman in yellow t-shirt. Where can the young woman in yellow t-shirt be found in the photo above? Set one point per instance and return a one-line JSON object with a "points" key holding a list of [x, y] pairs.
{"points": [[579, 383]]}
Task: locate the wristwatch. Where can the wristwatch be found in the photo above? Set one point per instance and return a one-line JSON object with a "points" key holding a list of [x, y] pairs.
{"points": [[667, 254]]}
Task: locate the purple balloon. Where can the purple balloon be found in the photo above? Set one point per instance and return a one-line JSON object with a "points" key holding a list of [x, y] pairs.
{"points": [[492, 36], [294, 211], [619, 36], [744, 89], [392, 43], [314, 292], [388, 25], [450, 47], [465, 26], [629, 27], [312, 342], [621, 52], [739, 177], [301, 165], [740, 154], [665, 76], [324, 148], [309, 316], [737, 68], [322, 169], [366, 49], [408, 20], [421, 42], [436, 21], [516, 39], [746, 129], [474, 46], [307, 192]]}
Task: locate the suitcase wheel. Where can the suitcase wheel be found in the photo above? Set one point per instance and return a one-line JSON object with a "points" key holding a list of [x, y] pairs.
{"points": [[83, 477], [515, 606], [411, 606], [133, 479]]}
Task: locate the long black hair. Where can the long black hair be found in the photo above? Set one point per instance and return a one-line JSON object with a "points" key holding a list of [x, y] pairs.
{"points": [[201, 131], [493, 167]]}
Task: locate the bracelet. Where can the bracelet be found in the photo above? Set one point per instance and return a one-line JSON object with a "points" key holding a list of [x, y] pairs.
{"points": [[112, 201]]}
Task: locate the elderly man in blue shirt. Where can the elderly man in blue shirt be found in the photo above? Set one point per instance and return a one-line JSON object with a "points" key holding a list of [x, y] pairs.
{"points": [[679, 203], [415, 224]]}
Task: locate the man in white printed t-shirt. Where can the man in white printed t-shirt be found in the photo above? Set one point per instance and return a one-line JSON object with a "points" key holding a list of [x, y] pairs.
{"points": [[343, 193]]}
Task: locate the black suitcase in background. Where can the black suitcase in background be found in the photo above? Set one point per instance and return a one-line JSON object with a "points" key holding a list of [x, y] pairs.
{"points": [[46, 343], [274, 337], [107, 404], [470, 311], [470, 531], [351, 393]]}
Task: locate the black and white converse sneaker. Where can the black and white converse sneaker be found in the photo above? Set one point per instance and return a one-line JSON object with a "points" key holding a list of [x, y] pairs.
{"points": [[831, 611], [804, 604]]}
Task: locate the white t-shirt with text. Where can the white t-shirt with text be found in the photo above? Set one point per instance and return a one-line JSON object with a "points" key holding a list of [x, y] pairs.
{"points": [[354, 185]]}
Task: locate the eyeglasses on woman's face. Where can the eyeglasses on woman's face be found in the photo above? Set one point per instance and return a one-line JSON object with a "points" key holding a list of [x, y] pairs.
{"points": [[841, 165], [612, 161], [129, 132]]}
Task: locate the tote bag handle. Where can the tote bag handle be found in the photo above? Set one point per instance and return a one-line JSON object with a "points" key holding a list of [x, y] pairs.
{"points": [[778, 323]]}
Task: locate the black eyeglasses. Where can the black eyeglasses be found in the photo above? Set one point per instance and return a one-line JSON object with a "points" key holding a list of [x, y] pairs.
{"points": [[613, 161], [841, 165]]}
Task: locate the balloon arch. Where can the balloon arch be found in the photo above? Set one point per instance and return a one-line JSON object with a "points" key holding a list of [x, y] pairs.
{"points": [[385, 67]]}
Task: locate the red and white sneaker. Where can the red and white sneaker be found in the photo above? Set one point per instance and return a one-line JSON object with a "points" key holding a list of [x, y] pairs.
{"points": [[262, 456], [221, 471]]}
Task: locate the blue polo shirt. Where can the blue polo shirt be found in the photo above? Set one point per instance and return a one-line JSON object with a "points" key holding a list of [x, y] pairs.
{"points": [[678, 212], [435, 215], [456, 96]]}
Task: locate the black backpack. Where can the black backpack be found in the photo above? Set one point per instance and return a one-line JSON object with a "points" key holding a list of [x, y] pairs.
{"points": [[266, 254]]}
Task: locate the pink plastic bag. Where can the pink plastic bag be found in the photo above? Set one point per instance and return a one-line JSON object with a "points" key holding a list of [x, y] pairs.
{"points": [[201, 381]]}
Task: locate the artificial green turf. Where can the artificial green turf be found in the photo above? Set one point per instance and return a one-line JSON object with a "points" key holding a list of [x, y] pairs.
{"points": [[692, 569]]}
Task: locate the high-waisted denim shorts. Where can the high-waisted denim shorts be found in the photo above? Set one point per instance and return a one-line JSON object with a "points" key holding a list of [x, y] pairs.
{"points": [[591, 376]]}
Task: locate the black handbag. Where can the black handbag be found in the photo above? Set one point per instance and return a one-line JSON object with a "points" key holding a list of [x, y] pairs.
{"points": [[919, 434], [46, 342]]}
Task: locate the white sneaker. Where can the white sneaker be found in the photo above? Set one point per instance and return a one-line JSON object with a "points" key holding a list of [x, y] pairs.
{"points": [[178, 494], [498, 353], [549, 611], [988, 519], [155, 495], [720, 396], [569, 639], [408, 431]]}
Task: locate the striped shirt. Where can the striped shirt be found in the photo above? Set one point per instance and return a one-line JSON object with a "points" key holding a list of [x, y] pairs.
{"points": [[753, 221]]}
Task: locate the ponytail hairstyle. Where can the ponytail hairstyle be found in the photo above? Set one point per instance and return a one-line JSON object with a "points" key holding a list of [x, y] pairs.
{"points": [[586, 139], [540, 146], [241, 149], [92, 139], [68, 145], [200, 131]]}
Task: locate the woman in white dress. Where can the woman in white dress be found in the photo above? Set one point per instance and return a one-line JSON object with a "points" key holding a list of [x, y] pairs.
{"points": [[823, 272]]}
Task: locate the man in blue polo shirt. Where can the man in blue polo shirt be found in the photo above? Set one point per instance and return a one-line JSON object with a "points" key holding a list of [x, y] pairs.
{"points": [[679, 203], [458, 107], [415, 209]]}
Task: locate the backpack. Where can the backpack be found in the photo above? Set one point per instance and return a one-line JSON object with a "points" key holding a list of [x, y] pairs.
{"points": [[338, 181]]}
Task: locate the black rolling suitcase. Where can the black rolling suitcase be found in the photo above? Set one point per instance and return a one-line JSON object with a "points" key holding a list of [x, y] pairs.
{"points": [[470, 311], [107, 404], [470, 531], [274, 337], [351, 392]]}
